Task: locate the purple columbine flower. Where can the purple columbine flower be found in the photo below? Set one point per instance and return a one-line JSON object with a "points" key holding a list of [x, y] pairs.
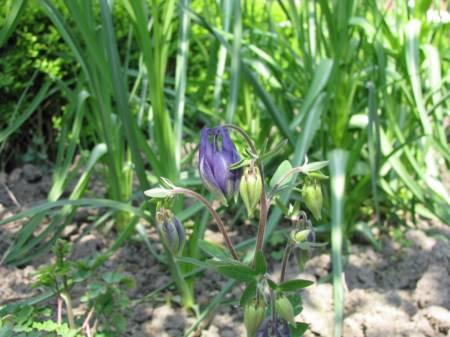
{"points": [[269, 328], [217, 152]]}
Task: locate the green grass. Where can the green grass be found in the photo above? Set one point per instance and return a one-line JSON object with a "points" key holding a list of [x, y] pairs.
{"points": [[365, 77]]}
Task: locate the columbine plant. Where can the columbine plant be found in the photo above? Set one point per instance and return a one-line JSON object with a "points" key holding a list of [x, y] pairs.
{"points": [[270, 306]]}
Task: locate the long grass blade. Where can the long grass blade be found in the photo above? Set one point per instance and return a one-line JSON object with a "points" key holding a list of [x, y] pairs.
{"points": [[121, 93], [180, 81], [235, 63], [373, 132], [18, 121], [321, 77], [338, 162], [227, 7]]}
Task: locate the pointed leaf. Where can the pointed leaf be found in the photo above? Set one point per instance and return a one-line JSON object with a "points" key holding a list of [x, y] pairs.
{"points": [[260, 263], [281, 171], [294, 285], [237, 271], [248, 294], [214, 250]]}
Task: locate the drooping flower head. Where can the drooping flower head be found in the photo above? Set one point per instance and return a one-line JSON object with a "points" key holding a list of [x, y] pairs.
{"points": [[217, 152]]}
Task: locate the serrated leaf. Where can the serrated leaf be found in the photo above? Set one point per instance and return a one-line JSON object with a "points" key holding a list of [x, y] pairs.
{"points": [[260, 263], [280, 172], [214, 250], [248, 294], [294, 285]]}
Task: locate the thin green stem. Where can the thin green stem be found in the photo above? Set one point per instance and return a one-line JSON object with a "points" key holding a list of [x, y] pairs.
{"points": [[187, 296], [68, 301], [220, 224]]}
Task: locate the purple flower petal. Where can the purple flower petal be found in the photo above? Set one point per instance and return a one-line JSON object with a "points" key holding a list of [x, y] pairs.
{"points": [[217, 152]]}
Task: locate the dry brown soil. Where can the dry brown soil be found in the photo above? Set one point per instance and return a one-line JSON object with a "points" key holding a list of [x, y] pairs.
{"points": [[402, 290]]}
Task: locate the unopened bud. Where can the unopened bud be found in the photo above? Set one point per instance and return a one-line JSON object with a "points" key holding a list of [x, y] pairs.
{"points": [[312, 196], [284, 309], [311, 236], [300, 236], [250, 188], [254, 315], [172, 231]]}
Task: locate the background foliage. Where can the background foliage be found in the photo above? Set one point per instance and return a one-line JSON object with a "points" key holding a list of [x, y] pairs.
{"points": [[127, 85]]}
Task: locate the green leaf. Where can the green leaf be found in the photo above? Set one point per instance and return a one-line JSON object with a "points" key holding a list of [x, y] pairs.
{"points": [[39, 97], [314, 166], [321, 76], [311, 125], [214, 250], [119, 321], [260, 263], [248, 294], [237, 271], [338, 164], [240, 163], [6, 330], [294, 285], [299, 329], [158, 192], [113, 277], [272, 284], [281, 171], [190, 260], [277, 149], [12, 18]]}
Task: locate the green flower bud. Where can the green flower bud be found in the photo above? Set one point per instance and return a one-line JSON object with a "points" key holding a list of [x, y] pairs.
{"points": [[250, 188], [300, 236], [172, 231], [254, 315], [284, 309], [312, 196]]}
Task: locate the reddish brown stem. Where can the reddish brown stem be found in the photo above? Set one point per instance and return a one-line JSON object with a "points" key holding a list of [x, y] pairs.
{"points": [[220, 224]]}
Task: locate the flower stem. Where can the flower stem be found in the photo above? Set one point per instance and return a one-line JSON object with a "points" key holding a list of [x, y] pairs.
{"points": [[220, 224], [187, 295], [287, 252]]}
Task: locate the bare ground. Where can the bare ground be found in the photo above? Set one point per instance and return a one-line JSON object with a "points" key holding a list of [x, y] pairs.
{"points": [[398, 291]]}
